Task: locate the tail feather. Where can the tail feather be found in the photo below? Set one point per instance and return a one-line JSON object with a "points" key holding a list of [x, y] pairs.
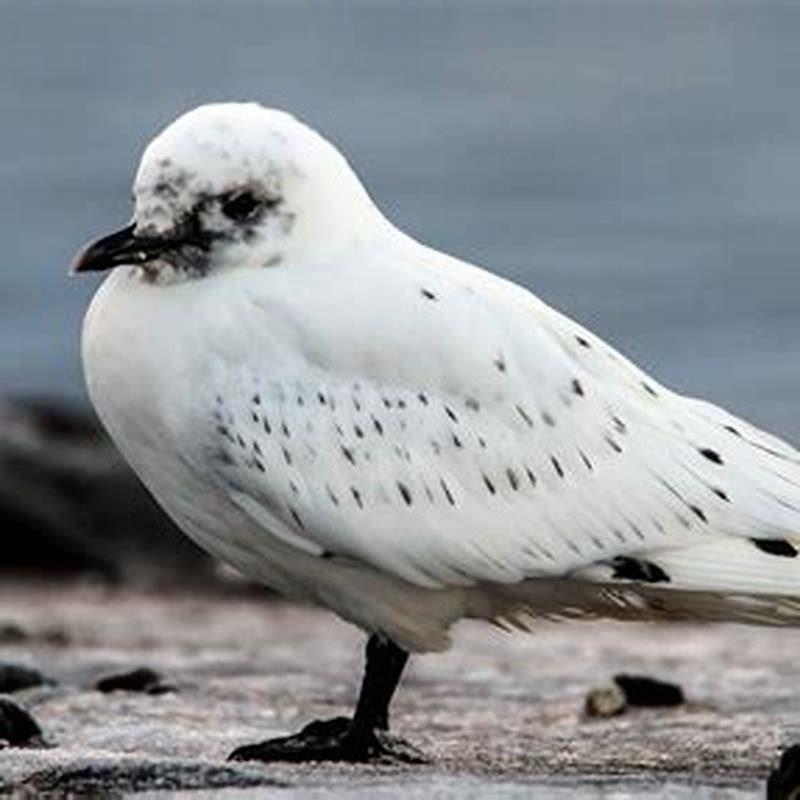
{"points": [[723, 580]]}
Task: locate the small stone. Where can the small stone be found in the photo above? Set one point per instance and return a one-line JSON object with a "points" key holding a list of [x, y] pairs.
{"points": [[143, 679], [11, 633], [605, 701], [55, 636], [639, 690], [14, 677], [784, 781], [17, 726]]}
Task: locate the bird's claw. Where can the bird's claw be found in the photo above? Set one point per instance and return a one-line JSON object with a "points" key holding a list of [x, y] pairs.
{"points": [[334, 739]]}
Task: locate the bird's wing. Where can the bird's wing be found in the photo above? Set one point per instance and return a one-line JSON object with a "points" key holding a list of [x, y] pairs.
{"points": [[523, 447]]}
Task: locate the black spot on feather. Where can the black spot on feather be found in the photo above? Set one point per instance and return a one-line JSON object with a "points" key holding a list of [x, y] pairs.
{"points": [[613, 445], [513, 480], [649, 389], [524, 414], [577, 387], [711, 455], [405, 493], [634, 569], [776, 547], [427, 294], [698, 512], [582, 342], [447, 493]]}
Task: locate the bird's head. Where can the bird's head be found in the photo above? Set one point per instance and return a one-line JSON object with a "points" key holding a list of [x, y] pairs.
{"points": [[233, 186]]}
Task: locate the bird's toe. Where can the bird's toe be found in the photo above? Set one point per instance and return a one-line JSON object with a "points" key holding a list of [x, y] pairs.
{"points": [[334, 739]]}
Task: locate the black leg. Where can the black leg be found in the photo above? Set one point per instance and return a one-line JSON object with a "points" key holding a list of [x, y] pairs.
{"points": [[362, 738], [385, 664]]}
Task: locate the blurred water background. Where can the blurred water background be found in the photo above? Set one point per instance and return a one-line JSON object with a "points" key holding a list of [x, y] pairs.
{"points": [[637, 164]]}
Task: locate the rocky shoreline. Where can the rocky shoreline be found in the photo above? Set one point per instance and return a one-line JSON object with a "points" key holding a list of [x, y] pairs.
{"points": [[70, 505], [498, 714]]}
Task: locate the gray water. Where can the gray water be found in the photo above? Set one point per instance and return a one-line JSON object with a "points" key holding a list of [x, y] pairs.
{"points": [[636, 164]]}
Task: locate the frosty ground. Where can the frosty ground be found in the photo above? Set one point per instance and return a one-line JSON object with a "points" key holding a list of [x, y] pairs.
{"points": [[498, 715]]}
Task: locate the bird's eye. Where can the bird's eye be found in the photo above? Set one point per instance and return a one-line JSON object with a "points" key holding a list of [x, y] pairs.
{"points": [[240, 207]]}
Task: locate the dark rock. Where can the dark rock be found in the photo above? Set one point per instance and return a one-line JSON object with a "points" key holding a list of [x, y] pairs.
{"points": [[639, 690], [55, 636], [109, 781], [14, 677], [784, 781], [17, 726], [630, 691], [143, 679], [69, 503], [11, 633]]}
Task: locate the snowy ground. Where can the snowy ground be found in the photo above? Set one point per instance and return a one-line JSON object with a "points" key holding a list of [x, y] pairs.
{"points": [[498, 715]]}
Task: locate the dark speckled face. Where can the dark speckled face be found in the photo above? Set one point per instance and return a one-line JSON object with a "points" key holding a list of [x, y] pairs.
{"points": [[215, 228], [230, 186]]}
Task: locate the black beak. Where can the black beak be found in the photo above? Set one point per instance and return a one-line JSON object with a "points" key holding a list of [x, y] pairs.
{"points": [[121, 247]]}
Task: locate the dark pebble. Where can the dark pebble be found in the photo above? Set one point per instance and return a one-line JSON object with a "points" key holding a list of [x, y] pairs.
{"points": [[56, 636], [17, 726], [642, 691], [10, 633], [14, 677], [784, 782], [114, 781], [143, 679]]}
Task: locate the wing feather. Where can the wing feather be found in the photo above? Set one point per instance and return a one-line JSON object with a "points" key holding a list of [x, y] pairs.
{"points": [[521, 447]]}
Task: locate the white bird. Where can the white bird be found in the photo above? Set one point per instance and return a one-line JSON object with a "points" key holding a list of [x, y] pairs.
{"points": [[365, 423]]}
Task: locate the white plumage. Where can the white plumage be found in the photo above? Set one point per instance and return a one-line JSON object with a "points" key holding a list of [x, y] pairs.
{"points": [[371, 425]]}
